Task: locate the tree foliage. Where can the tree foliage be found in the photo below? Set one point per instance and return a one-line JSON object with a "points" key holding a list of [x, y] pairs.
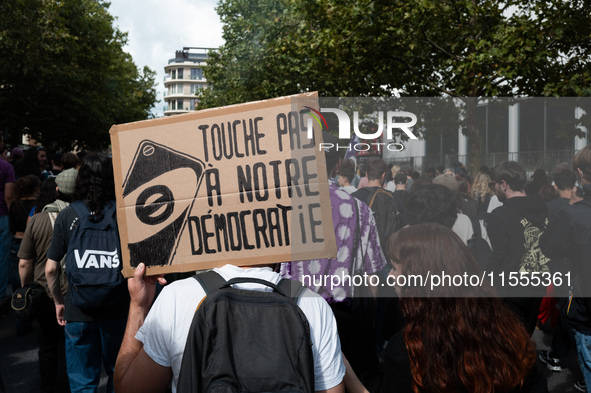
{"points": [[64, 76], [454, 48]]}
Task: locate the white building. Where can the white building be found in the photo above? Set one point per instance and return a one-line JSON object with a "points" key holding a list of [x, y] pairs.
{"points": [[184, 79]]}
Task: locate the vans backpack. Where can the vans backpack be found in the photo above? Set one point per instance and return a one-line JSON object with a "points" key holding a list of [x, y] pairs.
{"points": [[93, 261], [384, 206], [247, 340]]}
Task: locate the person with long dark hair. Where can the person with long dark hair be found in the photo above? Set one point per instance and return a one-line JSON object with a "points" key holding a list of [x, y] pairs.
{"points": [[33, 163], [456, 338], [92, 336]]}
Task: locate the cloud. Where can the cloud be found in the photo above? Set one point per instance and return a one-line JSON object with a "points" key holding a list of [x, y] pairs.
{"points": [[158, 28]]}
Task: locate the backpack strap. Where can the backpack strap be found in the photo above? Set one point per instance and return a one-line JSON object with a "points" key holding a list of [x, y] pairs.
{"points": [[81, 210], [371, 197], [210, 281], [389, 194], [476, 227], [291, 288]]}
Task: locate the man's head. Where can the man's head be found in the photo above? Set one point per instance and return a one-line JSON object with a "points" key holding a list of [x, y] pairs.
{"points": [[582, 164], [432, 203], [565, 180], [56, 160], [400, 178], [376, 169], [69, 160], [510, 177]]}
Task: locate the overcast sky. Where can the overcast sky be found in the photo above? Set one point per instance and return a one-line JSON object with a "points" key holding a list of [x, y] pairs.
{"points": [[158, 28]]}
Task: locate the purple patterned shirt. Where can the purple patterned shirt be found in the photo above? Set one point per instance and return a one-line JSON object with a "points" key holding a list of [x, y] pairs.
{"points": [[316, 274]]}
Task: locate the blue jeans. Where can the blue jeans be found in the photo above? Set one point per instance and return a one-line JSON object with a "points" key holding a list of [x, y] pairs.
{"points": [[88, 344], [5, 240], [583, 343]]}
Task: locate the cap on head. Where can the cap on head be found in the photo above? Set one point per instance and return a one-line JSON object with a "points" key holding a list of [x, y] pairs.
{"points": [[66, 181]]}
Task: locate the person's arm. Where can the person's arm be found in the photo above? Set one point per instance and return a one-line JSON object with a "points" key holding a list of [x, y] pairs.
{"points": [[25, 271], [52, 272], [340, 388], [351, 381], [9, 196], [135, 371]]}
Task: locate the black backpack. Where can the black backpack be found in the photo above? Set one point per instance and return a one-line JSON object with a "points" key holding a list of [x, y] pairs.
{"points": [[247, 341], [93, 261], [384, 206], [479, 247]]}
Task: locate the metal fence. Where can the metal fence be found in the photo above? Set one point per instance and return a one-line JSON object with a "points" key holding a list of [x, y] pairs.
{"points": [[531, 160]]}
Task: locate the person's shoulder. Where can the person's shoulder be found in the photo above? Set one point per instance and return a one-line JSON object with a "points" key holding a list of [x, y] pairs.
{"points": [[314, 307], [181, 290], [38, 218], [463, 219], [340, 194], [7, 173], [6, 167]]}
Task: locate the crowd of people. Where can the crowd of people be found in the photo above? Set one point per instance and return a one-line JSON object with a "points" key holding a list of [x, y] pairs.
{"points": [[389, 222]]}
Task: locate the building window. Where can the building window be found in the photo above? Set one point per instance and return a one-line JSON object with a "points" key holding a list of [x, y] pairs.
{"points": [[173, 74], [172, 105], [196, 73], [180, 73], [179, 88], [195, 88], [179, 104], [194, 102]]}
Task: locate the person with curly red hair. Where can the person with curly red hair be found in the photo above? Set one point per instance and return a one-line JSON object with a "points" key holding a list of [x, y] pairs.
{"points": [[457, 338]]}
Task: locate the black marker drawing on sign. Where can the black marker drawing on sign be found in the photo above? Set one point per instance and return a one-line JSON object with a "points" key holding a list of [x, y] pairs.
{"points": [[155, 204]]}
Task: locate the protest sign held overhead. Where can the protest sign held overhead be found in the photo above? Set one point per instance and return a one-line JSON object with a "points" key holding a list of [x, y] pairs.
{"points": [[243, 184]]}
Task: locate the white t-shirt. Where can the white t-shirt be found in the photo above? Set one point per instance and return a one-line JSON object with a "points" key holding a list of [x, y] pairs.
{"points": [[494, 203], [463, 228], [164, 332], [349, 189]]}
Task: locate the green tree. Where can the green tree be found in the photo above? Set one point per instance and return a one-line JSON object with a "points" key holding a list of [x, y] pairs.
{"points": [[64, 76], [452, 48]]}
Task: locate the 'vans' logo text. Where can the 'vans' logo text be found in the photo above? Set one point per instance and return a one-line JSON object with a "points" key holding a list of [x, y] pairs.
{"points": [[97, 259]]}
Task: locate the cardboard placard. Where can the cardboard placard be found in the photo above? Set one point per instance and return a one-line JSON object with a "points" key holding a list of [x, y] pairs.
{"points": [[241, 184]]}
